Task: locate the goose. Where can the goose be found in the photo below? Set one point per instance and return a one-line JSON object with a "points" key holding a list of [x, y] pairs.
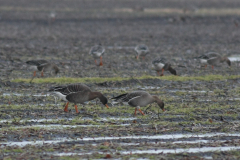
{"points": [[77, 93], [161, 64], [97, 51], [213, 59], [138, 99], [51, 17], [142, 50], [42, 65]]}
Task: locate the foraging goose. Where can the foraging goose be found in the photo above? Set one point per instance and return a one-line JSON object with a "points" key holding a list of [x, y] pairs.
{"points": [[77, 93], [42, 65], [139, 99], [142, 50], [213, 59], [161, 64], [97, 51], [51, 17]]}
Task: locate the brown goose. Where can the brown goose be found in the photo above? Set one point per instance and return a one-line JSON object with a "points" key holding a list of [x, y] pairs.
{"points": [[142, 50], [213, 59], [161, 64], [42, 65], [139, 99], [77, 93], [97, 51]]}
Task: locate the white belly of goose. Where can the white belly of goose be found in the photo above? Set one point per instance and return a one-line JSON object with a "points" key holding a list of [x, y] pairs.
{"points": [[33, 68], [60, 95], [203, 61], [160, 65], [97, 54]]}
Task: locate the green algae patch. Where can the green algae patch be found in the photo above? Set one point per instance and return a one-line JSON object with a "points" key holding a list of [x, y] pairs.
{"points": [[71, 80], [104, 79]]}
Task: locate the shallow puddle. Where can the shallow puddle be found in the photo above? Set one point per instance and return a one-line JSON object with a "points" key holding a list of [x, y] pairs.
{"points": [[70, 119], [180, 150], [173, 136], [120, 47], [234, 58], [58, 140], [24, 143], [20, 94], [58, 126], [148, 87], [36, 120], [162, 151], [190, 91], [176, 136]]}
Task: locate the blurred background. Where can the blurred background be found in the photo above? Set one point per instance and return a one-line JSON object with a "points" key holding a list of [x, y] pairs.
{"points": [[64, 31]]}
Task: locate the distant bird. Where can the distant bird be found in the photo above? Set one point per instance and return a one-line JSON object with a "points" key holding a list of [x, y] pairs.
{"points": [[138, 99], [51, 17], [142, 50], [42, 65], [77, 93], [161, 64], [97, 51], [213, 59]]}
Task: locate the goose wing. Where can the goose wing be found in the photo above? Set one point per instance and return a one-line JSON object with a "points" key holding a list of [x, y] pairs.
{"points": [[141, 47], [213, 55], [159, 60], [78, 97], [129, 96], [214, 61], [37, 62], [72, 88], [97, 49]]}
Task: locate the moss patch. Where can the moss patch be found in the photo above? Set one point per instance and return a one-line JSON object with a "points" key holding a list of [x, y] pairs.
{"points": [[99, 79]]}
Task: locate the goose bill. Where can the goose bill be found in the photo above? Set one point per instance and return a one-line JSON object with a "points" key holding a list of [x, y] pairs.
{"points": [[106, 105]]}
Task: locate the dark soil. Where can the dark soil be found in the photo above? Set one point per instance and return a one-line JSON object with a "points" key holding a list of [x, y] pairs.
{"points": [[27, 33]]}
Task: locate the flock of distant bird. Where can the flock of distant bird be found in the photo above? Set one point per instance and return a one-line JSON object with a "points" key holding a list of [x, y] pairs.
{"points": [[80, 93]]}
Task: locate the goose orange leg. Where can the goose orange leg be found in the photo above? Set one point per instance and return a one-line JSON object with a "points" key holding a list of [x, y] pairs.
{"points": [[212, 67], [42, 73], [101, 64], [76, 109], [205, 66], [66, 107], [162, 72], [135, 113], [34, 73], [141, 111], [95, 62], [106, 105], [137, 57]]}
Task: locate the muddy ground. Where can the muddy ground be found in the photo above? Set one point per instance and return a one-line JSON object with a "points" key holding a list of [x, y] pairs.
{"points": [[201, 120]]}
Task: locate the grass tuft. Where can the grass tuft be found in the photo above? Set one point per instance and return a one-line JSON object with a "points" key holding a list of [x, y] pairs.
{"points": [[99, 79]]}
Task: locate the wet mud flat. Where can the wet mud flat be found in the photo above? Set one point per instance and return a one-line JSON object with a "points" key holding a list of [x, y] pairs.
{"points": [[197, 123], [201, 120]]}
